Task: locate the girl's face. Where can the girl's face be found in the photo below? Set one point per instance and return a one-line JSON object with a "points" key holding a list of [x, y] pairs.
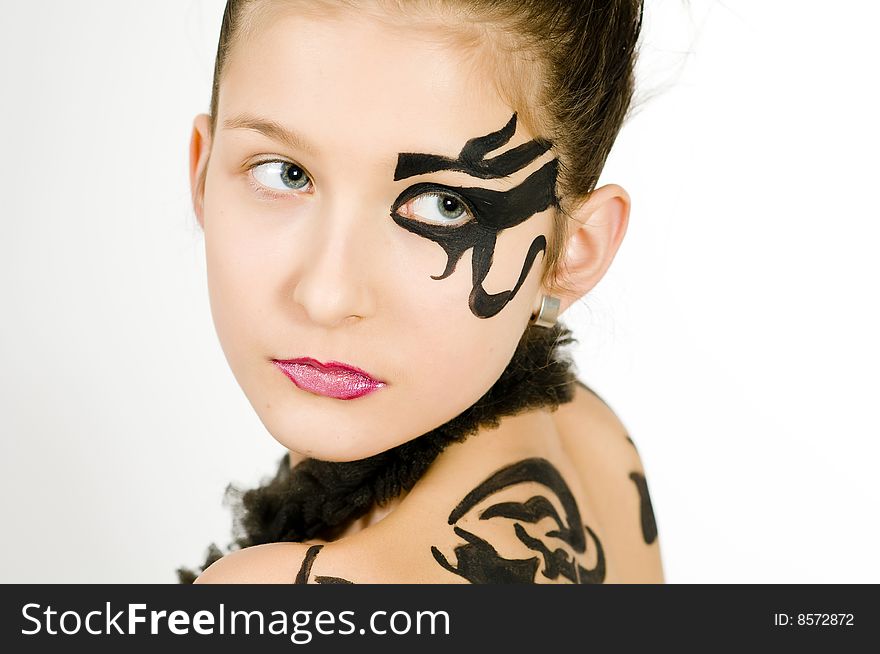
{"points": [[360, 207]]}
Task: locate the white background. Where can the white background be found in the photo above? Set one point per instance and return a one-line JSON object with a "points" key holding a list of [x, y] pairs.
{"points": [[735, 335]]}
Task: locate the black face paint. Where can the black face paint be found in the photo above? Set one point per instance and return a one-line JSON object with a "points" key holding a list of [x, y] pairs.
{"points": [[479, 562], [472, 159], [649, 525], [493, 211]]}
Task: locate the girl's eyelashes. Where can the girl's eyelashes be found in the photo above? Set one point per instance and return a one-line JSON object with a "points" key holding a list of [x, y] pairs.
{"points": [[277, 178], [436, 207]]}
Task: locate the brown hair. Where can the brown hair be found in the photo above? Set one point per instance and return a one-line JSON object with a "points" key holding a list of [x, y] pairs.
{"points": [[566, 67]]}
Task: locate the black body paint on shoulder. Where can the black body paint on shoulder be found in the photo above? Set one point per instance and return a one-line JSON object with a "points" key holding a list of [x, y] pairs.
{"points": [[331, 580], [649, 525], [302, 577], [479, 562], [493, 211]]}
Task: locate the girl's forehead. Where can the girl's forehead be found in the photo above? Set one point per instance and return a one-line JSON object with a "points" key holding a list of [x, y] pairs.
{"points": [[339, 79]]}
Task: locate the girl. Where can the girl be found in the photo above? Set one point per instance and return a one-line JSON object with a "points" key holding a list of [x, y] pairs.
{"points": [[399, 200]]}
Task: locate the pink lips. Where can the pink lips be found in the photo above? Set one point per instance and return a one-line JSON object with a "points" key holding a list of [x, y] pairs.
{"points": [[331, 379]]}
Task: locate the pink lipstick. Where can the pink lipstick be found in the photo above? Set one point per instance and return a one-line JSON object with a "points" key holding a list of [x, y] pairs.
{"points": [[331, 379]]}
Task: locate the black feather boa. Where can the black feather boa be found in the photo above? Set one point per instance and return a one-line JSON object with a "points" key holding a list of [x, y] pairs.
{"points": [[320, 499]]}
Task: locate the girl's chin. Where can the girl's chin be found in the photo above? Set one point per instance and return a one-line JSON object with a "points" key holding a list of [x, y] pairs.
{"points": [[330, 432], [330, 445], [330, 455]]}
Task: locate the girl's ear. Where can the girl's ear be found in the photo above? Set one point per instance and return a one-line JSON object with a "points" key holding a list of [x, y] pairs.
{"points": [[595, 233], [199, 152]]}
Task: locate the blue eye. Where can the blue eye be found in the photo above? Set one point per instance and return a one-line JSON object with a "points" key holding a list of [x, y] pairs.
{"points": [[434, 207], [289, 175]]}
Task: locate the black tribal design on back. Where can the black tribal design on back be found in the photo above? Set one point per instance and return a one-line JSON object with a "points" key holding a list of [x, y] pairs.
{"points": [[479, 562], [493, 211], [649, 525]]}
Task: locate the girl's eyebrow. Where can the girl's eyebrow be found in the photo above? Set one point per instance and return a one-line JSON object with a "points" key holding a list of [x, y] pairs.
{"points": [[271, 129]]}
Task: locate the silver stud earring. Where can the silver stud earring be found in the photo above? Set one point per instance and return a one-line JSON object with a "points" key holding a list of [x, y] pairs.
{"points": [[548, 313]]}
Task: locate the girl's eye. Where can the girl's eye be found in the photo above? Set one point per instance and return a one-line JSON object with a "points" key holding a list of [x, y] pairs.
{"points": [[439, 208], [281, 176]]}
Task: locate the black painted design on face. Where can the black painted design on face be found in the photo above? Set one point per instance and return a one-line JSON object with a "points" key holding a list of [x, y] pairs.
{"points": [[472, 159], [479, 562], [492, 211], [302, 577], [649, 525]]}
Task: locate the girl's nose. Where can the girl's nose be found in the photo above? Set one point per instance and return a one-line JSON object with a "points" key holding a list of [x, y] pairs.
{"points": [[334, 284]]}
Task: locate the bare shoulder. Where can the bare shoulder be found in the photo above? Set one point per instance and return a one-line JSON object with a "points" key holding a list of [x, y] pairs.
{"points": [[517, 523], [514, 506], [614, 478], [272, 563], [509, 506], [588, 421]]}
